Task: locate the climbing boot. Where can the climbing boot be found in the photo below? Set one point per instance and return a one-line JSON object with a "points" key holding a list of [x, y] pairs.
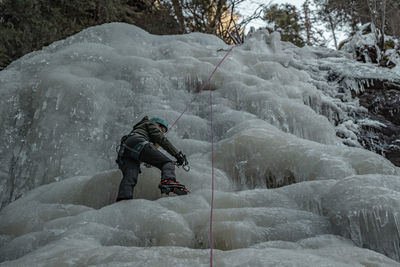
{"points": [[122, 199], [172, 186]]}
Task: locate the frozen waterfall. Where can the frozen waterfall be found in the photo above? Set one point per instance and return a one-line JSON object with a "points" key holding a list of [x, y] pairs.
{"points": [[288, 191]]}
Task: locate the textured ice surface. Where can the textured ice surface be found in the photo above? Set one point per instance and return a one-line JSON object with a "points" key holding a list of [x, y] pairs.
{"points": [[366, 209], [60, 224], [276, 120]]}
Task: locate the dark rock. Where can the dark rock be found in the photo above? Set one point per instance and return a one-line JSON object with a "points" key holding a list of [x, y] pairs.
{"points": [[382, 99], [366, 53], [380, 95]]}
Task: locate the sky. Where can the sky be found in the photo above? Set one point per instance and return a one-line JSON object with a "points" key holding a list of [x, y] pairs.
{"points": [[297, 3]]}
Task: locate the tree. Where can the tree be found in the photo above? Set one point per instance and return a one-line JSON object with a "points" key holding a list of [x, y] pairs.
{"points": [[218, 17], [383, 13], [201, 15], [179, 15], [314, 35], [285, 19], [307, 21], [28, 25], [351, 12], [393, 21], [332, 18]]}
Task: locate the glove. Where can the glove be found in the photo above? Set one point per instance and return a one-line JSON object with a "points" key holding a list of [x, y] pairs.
{"points": [[180, 159]]}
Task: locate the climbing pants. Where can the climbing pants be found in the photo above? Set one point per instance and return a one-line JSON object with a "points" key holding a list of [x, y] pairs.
{"points": [[130, 166]]}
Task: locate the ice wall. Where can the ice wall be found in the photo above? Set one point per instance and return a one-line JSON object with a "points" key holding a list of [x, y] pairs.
{"points": [[276, 120], [365, 208], [62, 224], [66, 106]]}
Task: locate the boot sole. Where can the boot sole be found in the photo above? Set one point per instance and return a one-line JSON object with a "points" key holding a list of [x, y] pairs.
{"points": [[178, 190]]}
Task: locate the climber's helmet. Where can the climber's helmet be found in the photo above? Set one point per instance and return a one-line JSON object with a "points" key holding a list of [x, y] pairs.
{"points": [[161, 122]]}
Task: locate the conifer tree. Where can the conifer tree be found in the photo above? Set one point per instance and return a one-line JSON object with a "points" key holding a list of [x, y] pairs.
{"points": [[314, 34], [385, 14], [28, 25], [285, 19], [332, 18]]}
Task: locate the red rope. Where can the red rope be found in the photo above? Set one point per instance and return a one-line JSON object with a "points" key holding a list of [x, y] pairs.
{"points": [[212, 182], [203, 86], [212, 147]]}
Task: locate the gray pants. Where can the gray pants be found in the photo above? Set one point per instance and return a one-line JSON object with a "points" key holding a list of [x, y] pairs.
{"points": [[130, 167]]}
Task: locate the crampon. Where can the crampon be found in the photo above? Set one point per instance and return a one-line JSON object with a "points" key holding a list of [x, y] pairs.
{"points": [[171, 186]]}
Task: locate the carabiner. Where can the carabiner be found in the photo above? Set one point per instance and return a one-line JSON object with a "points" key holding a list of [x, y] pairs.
{"points": [[186, 167]]}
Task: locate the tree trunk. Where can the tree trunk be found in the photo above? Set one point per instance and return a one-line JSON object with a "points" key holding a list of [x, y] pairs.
{"points": [[307, 21], [217, 17], [382, 41], [332, 26], [179, 14]]}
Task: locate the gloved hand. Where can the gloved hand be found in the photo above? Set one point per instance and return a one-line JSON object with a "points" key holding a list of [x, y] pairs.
{"points": [[181, 159]]}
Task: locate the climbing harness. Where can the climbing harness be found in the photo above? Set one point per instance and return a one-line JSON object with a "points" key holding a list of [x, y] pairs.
{"points": [[212, 146], [120, 149], [135, 151]]}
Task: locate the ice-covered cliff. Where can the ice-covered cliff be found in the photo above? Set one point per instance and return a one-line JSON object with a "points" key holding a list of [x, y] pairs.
{"points": [[279, 120]]}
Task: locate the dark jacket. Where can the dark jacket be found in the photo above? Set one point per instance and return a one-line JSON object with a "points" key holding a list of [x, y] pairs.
{"points": [[152, 133]]}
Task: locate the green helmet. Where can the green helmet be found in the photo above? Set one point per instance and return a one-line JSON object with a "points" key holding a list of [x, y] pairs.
{"points": [[160, 121]]}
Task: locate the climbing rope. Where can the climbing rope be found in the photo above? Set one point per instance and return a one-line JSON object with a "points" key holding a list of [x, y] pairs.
{"points": [[203, 86], [212, 147], [212, 182]]}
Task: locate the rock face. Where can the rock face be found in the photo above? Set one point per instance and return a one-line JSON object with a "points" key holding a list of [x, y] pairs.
{"points": [[369, 96], [380, 95], [382, 99], [377, 127]]}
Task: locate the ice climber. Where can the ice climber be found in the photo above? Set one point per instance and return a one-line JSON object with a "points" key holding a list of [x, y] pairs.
{"points": [[140, 145]]}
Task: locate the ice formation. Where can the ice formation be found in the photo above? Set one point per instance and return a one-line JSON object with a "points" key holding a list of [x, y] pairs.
{"points": [[368, 37], [276, 122]]}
